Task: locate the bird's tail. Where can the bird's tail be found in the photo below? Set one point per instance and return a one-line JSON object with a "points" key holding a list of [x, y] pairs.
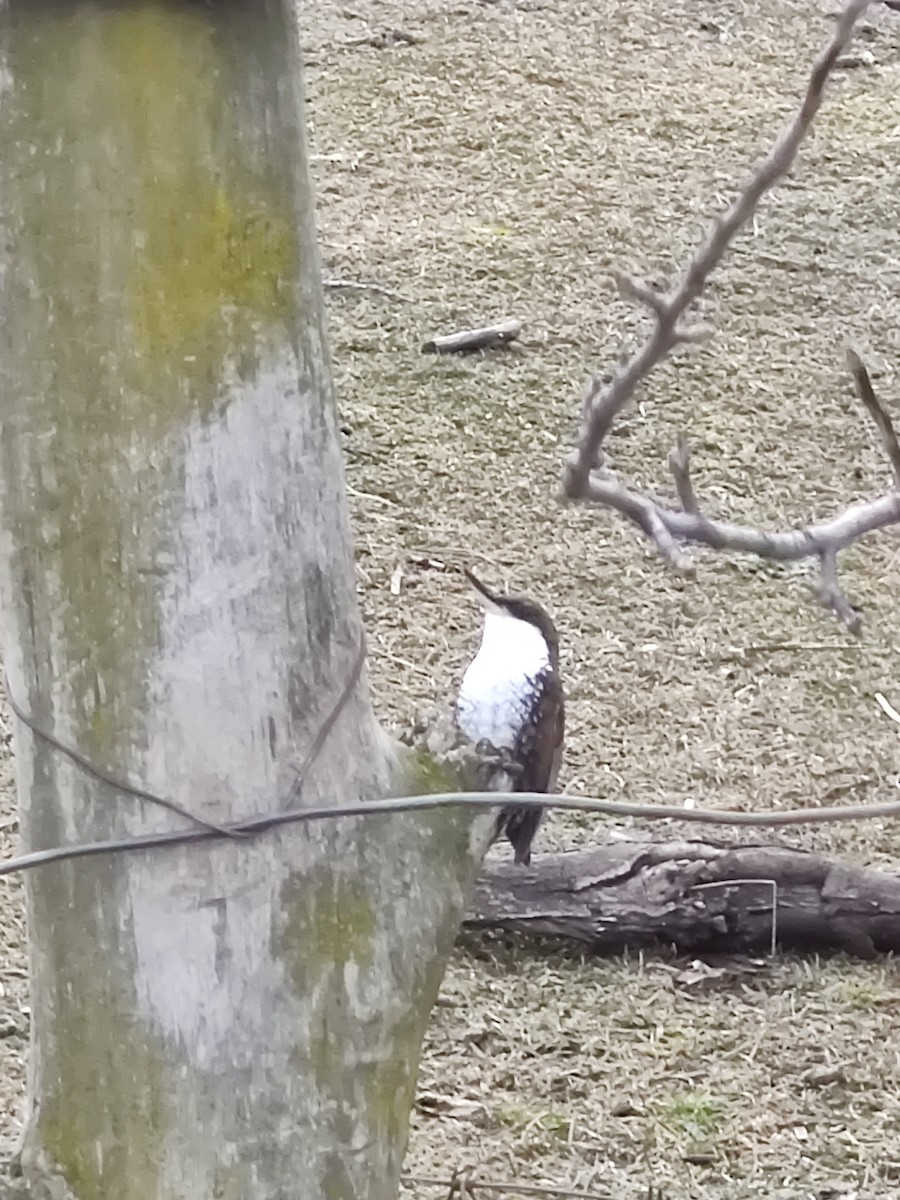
{"points": [[518, 826]]}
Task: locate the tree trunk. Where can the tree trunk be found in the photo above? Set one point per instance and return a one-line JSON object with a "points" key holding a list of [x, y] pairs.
{"points": [[230, 1019], [696, 896]]}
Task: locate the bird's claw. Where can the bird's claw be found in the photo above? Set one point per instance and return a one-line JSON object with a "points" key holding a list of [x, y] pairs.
{"points": [[497, 769]]}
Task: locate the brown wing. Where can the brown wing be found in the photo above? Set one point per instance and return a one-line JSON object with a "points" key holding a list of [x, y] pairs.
{"points": [[539, 745], [538, 751]]}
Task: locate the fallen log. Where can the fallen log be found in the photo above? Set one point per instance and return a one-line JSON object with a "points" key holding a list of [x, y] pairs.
{"points": [[695, 895]]}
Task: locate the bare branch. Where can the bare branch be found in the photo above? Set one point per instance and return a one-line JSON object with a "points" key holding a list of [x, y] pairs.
{"points": [[635, 289], [822, 540], [790, 545], [876, 411], [585, 477], [642, 512], [605, 401], [689, 335]]}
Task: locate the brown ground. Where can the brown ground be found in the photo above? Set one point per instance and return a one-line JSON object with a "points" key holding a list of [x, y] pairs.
{"points": [[501, 165]]}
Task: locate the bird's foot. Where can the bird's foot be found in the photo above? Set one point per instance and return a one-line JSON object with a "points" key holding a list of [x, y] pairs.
{"points": [[497, 770]]}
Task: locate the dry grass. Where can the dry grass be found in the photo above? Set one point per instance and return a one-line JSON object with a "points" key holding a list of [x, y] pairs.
{"points": [[609, 1074], [499, 167]]}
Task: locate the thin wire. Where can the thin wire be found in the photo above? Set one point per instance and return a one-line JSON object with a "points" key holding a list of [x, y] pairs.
{"points": [[328, 724], [472, 800], [262, 823], [100, 773], [207, 829]]}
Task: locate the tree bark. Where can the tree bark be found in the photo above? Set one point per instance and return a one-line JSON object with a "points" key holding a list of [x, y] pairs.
{"points": [[178, 600], [697, 896]]}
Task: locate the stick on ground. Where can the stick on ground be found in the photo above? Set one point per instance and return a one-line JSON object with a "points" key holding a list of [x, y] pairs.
{"points": [[466, 341]]}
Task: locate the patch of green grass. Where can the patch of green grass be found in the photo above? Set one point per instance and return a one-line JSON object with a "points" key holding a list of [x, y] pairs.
{"points": [[694, 1111], [862, 993], [512, 1115], [555, 1122], [550, 1121]]}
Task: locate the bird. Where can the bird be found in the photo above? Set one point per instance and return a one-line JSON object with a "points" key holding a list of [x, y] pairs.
{"points": [[511, 696]]}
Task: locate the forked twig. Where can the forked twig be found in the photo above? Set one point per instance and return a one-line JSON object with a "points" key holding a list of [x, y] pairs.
{"points": [[605, 400], [586, 477], [822, 540]]}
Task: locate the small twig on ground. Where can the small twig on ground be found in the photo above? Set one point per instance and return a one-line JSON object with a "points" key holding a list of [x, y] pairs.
{"points": [[469, 340], [382, 39], [416, 668], [355, 285], [360, 495], [887, 708], [511, 1186], [739, 652]]}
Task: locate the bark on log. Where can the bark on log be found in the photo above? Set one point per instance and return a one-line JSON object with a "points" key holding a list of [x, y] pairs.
{"points": [[698, 896]]}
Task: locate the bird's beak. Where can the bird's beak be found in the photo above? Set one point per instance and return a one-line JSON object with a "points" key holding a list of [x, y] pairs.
{"points": [[485, 596], [476, 583]]}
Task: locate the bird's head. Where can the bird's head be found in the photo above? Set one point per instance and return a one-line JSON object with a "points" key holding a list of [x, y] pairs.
{"points": [[517, 608]]}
